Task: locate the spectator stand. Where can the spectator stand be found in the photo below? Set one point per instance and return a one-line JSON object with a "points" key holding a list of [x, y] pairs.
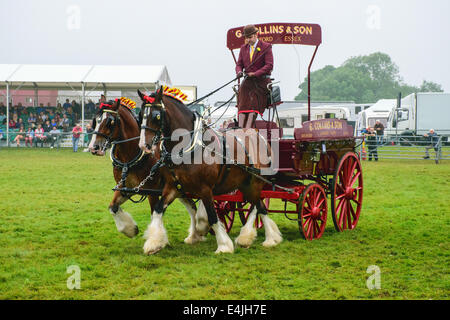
{"points": [[79, 79]]}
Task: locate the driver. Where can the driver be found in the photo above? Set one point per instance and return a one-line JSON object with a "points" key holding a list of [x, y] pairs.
{"points": [[256, 59]]}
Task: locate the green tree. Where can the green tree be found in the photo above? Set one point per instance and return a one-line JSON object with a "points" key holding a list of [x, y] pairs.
{"points": [[429, 86], [360, 79]]}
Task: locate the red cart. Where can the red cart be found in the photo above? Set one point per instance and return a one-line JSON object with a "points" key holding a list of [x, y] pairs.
{"points": [[320, 160]]}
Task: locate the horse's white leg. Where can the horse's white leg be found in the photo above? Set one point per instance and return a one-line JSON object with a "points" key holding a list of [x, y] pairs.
{"points": [[193, 236], [273, 234], [248, 232], [155, 234], [224, 243], [202, 225], [124, 222]]}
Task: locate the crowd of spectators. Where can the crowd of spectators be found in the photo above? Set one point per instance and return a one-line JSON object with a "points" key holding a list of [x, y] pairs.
{"points": [[43, 124]]}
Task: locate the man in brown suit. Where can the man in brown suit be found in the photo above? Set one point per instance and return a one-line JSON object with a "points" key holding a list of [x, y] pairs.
{"points": [[256, 59]]}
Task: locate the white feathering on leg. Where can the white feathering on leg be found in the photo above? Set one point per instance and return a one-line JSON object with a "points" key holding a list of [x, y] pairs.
{"points": [[224, 243], [273, 234], [125, 223], [248, 232], [156, 235]]}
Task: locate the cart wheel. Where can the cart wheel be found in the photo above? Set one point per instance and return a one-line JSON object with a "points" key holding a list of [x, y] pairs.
{"points": [[347, 192], [313, 212], [225, 212], [243, 214]]}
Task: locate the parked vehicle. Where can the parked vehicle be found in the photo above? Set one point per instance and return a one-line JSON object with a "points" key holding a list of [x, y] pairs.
{"points": [[417, 113]]}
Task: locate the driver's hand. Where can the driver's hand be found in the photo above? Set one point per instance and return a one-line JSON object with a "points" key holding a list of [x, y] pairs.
{"points": [[240, 74]]}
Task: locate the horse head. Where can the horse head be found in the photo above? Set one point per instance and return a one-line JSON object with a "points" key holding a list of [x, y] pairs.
{"points": [[152, 120], [106, 127]]}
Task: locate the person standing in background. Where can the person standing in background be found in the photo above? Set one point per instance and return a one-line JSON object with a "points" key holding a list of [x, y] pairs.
{"points": [[76, 133], [379, 129]]}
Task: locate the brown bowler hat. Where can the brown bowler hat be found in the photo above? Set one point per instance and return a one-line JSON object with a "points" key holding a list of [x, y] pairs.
{"points": [[249, 30]]}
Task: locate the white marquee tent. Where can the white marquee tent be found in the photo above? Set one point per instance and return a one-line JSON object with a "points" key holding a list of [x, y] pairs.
{"points": [[80, 77]]}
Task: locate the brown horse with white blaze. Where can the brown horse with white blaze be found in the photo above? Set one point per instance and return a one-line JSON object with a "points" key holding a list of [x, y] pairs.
{"points": [[161, 117], [115, 124]]}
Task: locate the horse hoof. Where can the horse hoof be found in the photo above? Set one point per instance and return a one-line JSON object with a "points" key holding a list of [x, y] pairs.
{"points": [[130, 232], [194, 239], [224, 249], [152, 246], [271, 243], [246, 240]]}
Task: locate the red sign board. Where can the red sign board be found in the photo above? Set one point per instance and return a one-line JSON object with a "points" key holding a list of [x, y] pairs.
{"points": [[279, 33], [324, 129]]}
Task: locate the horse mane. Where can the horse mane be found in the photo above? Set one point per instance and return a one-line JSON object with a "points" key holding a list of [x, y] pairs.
{"points": [[182, 107]]}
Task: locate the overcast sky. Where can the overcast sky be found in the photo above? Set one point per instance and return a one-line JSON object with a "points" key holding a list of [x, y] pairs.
{"points": [[189, 37]]}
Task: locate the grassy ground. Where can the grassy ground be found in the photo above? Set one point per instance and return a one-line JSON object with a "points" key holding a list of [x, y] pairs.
{"points": [[53, 214]]}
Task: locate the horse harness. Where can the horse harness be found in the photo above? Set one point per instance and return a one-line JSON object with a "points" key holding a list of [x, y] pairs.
{"points": [[158, 117], [124, 166]]}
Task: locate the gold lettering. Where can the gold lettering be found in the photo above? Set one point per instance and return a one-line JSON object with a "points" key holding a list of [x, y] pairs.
{"points": [[296, 30], [288, 29], [238, 33], [309, 30], [281, 28]]}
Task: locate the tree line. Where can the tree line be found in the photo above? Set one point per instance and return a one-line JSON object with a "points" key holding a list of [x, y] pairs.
{"points": [[361, 79]]}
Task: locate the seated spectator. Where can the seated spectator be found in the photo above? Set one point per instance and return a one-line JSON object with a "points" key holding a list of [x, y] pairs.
{"points": [[59, 109], [19, 136], [29, 137], [20, 123], [65, 123], [47, 127], [53, 122], [39, 120], [43, 116], [39, 136], [31, 119], [54, 135], [12, 124], [2, 117], [51, 115]]}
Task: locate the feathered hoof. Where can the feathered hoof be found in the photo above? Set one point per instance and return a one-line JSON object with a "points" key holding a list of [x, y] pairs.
{"points": [[225, 249], [202, 227], [152, 246], [194, 239], [272, 242], [130, 231], [246, 240]]}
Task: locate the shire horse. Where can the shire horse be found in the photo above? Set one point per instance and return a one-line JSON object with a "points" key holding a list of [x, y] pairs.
{"points": [[160, 116], [116, 124]]}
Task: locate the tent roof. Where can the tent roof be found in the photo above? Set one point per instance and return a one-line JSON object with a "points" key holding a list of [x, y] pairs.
{"points": [[72, 76], [383, 105]]}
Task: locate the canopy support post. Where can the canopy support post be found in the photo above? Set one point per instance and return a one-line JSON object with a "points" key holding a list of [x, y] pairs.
{"points": [[82, 106], [7, 113], [309, 83]]}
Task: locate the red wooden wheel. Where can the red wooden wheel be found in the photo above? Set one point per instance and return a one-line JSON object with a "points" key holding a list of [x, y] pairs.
{"points": [[247, 208], [225, 212], [313, 212], [347, 193]]}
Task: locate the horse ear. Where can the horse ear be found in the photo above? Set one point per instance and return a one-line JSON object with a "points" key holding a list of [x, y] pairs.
{"points": [[141, 95], [159, 94]]}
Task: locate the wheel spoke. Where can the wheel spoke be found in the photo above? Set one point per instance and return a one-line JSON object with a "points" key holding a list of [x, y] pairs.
{"points": [[321, 202], [354, 178], [352, 210]]}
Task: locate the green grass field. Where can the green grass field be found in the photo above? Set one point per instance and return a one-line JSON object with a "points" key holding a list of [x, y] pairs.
{"points": [[53, 214]]}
